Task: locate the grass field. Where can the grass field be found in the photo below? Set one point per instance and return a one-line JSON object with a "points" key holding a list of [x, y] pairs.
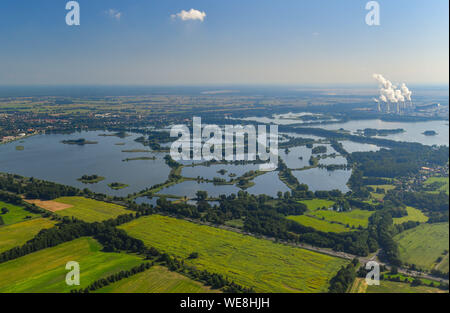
{"points": [[319, 224], [157, 279], [380, 196], [90, 210], [251, 262], [317, 204], [439, 179], [360, 286], [396, 287], [44, 271], [352, 218], [413, 215], [19, 233], [16, 213], [443, 265], [424, 244]]}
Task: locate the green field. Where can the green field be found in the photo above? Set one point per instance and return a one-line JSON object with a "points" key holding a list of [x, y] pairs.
{"points": [[360, 286], [396, 287], [317, 204], [380, 196], [90, 210], [385, 187], [157, 279], [251, 262], [424, 244], [44, 271], [319, 224], [19, 233], [445, 180], [413, 215], [352, 218], [443, 265], [16, 213]]}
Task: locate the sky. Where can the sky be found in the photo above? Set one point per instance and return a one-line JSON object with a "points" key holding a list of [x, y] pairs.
{"points": [[227, 42]]}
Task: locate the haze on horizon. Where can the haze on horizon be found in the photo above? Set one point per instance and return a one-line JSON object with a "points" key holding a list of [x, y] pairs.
{"points": [[228, 42]]}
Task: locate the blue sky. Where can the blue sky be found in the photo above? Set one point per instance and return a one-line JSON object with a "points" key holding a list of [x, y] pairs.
{"points": [[238, 42]]}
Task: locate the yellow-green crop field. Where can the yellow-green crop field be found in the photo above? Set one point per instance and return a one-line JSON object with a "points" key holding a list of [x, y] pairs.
{"points": [[16, 214], [319, 224], [18, 234], [413, 215], [90, 210], [353, 218], [44, 270], [424, 244], [157, 279], [262, 264]]}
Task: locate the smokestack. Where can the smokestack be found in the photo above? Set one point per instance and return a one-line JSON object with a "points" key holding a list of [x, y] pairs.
{"points": [[393, 98]]}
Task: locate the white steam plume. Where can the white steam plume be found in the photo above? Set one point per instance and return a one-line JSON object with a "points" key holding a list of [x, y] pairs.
{"points": [[389, 91]]}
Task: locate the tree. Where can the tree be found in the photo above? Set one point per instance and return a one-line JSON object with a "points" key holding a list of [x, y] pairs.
{"points": [[416, 282], [193, 255], [201, 195], [394, 270]]}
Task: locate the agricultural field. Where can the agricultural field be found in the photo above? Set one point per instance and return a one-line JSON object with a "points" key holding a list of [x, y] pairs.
{"points": [[360, 286], [16, 213], [413, 215], [157, 279], [443, 265], [385, 187], [44, 270], [248, 261], [319, 224], [380, 196], [354, 218], [89, 210], [424, 244], [397, 287], [316, 204], [444, 180], [18, 234]]}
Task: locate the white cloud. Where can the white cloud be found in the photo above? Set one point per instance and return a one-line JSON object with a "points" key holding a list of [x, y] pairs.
{"points": [[113, 13], [192, 15]]}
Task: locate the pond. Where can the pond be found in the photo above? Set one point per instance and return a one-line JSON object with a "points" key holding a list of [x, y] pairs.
{"points": [[351, 146], [189, 189], [268, 184], [321, 179], [209, 172]]}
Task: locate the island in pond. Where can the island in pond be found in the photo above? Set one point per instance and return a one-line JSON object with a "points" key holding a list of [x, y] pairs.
{"points": [[80, 142], [117, 186], [90, 179], [429, 133]]}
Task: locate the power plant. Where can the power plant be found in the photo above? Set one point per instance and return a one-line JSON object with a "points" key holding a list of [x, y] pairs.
{"points": [[393, 100]]}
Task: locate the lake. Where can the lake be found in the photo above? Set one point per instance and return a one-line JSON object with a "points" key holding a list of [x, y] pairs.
{"points": [[413, 131], [45, 157]]}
